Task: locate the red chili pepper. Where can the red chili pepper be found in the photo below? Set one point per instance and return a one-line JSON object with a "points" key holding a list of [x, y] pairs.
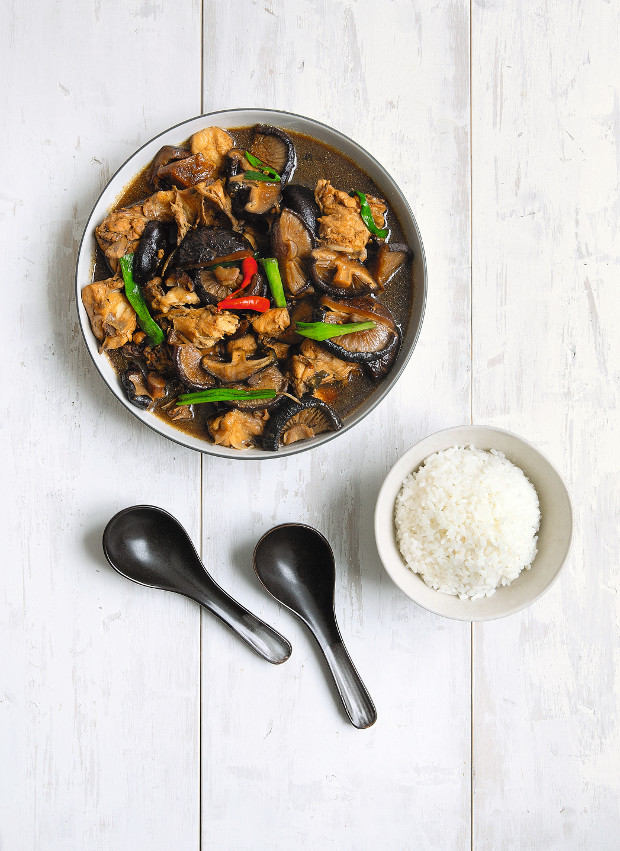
{"points": [[248, 302], [249, 267]]}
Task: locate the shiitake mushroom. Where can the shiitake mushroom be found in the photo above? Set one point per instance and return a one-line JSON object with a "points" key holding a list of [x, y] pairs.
{"points": [[158, 238], [340, 275], [376, 348], [275, 148], [299, 420], [203, 246]]}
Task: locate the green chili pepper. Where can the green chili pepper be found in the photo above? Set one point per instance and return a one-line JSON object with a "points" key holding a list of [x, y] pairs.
{"points": [[366, 214], [223, 394], [261, 166], [325, 330], [272, 270], [258, 175], [136, 300]]}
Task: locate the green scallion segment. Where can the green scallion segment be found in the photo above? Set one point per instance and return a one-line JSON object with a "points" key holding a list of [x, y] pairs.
{"points": [[366, 214], [136, 300], [326, 330], [258, 175], [272, 270], [262, 167], [223, 394]]}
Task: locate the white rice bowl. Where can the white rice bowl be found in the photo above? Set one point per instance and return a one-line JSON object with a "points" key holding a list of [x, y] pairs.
{"points": [[467, 521]]}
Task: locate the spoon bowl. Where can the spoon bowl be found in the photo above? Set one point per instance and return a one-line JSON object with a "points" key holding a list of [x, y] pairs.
{"points": [[149, 546], [296, 565]]}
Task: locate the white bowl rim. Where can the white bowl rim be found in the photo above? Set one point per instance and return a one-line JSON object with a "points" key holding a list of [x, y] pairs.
{"points": [[176, 435], [385, 501]]}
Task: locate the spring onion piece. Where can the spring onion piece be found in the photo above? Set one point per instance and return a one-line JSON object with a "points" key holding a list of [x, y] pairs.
{"points": [[136, 300], [326, 330], [366, 214], [258, 175], [272, 270], [223, 394], [262, 167]]}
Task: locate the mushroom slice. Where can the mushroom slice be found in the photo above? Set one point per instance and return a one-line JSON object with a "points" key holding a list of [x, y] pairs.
{"points": [[339, 275], [149, 255], [375, 348], [207, 246], [292, 243], [134, 384], [389, 258], [187, 360], [256, 197], [300, 199], [269, 378], [166, 155], [186, 172], [239, 368], [275, 148], [298, 421]]}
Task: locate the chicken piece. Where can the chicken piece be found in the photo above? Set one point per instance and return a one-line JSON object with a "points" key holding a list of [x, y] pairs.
{"points": [[203, 326], [213, 143], [161, 301], [237, 429], [112, 318], [272, 322], [216, 201], [341, 226], [187, 208], [119, 233], [314, 366]]}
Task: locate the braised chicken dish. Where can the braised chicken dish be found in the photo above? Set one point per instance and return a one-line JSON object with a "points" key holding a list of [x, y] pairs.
{"points": [[251, 287]]}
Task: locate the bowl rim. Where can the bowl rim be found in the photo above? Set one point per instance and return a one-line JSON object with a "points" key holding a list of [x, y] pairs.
{"points": [[384, 509], [84, 255]]}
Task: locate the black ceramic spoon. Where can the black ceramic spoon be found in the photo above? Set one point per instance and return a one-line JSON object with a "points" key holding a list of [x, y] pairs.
{"points": [[149, 546], [296, 565]]}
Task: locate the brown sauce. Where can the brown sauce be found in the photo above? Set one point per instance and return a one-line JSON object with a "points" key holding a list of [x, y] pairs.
{"points": [[315, 160]]}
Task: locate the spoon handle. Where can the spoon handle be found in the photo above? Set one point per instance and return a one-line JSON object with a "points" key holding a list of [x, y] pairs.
{"points": [[260, 636], [357, 702]]}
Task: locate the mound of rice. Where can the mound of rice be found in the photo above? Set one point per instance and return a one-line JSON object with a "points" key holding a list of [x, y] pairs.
{"points": [[467, 521]]}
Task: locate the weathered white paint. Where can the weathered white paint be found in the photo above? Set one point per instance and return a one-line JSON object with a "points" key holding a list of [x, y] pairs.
{"points": [[99, 678], [546, 362], [120, 707]]}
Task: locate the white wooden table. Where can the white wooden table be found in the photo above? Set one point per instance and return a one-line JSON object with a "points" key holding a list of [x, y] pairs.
{"points": [[128, 720]]}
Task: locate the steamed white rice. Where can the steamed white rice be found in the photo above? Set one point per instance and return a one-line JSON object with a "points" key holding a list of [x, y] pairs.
{"points": [[467, 521]]}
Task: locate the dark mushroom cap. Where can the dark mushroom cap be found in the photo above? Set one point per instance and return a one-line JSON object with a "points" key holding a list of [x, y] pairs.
{"points": [[299, 420], [292, 242], [167, 154], [204, 246], [382, 341], [149, 256], [269, 378], [387, 259], [300, 199], [340, 275], [274, 147], [187, 362], [133, 381]]}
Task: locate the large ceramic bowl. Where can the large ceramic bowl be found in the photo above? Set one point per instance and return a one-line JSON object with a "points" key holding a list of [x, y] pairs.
{"points": [[241, 118], [554, 536]]}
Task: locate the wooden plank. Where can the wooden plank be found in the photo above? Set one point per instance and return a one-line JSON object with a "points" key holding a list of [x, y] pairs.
{"points": [[546, 359], [99, 697], [282, 768]]}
